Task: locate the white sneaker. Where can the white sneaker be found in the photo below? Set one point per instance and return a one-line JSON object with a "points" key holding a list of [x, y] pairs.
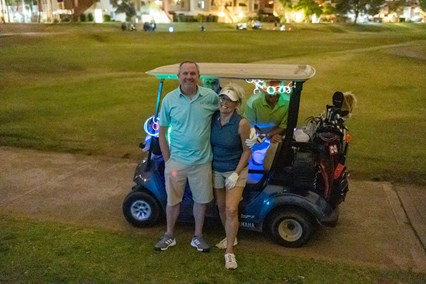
{"points": [[230, 261], [223, 243]]}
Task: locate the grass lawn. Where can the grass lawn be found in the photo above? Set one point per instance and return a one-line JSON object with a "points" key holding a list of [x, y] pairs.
{"points": [[32, 252]]}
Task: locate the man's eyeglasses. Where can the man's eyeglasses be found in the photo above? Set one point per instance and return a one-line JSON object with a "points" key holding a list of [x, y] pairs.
{"points": [[261, 87], [275, 90]]}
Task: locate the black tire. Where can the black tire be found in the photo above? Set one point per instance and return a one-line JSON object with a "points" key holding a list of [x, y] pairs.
{"points": [[291, 228], [140, 209]]}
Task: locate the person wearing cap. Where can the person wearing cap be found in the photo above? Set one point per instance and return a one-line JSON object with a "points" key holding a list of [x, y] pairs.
{"points": [[230, 160], [187, 112]]}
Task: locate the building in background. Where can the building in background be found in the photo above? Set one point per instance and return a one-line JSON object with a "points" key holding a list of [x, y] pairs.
{"points": [[165, 11]]}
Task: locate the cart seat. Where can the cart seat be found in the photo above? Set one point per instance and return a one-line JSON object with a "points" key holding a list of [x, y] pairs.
{"points": [[257, 175]]}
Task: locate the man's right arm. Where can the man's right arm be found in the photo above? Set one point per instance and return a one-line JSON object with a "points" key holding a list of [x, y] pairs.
{"points": [[164, 145], [253, 138]]}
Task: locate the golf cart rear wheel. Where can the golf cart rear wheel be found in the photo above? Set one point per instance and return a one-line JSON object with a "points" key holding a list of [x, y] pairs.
{"points": [[291, 228], [140, 209]]}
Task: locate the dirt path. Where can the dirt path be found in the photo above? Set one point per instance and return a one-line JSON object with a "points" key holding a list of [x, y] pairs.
{"points": [[373, 230]]}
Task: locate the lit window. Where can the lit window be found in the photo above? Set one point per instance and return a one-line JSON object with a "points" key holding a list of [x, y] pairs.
{"points": [[201, 4]]}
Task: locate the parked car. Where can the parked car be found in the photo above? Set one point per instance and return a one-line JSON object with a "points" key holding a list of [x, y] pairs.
{"points": [[128, 26], [149, 26], [241, 26], [256, 25]]}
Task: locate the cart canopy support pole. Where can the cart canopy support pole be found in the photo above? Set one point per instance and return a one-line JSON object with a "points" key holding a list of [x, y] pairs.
{"points": [[279, 174], [157, 109]]}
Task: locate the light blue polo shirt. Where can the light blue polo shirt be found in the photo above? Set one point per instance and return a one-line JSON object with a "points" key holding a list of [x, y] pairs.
{"points": [[190, 123]]}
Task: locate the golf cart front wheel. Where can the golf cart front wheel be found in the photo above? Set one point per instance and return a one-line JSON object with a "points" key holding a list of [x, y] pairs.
{"points": [[291, 228], [140, 209]]}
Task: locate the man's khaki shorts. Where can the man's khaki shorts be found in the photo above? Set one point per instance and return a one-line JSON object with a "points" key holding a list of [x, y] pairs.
{"points": [[199, 180]]}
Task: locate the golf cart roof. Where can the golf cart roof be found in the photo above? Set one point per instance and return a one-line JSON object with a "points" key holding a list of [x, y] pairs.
{"points": [[263, 71]]}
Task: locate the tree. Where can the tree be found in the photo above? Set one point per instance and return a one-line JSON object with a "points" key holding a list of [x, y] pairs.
{"points": [[328, 10], [310, 7], [125, 6], [369, 7], [422, 4], [396, 6], [287, 5]]}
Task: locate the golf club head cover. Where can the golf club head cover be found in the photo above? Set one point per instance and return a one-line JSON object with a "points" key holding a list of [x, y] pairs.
{"points": [[338, 99]]}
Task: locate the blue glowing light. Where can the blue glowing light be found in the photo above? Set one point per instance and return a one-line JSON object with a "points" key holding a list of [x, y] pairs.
{"points": [[152, 126]]}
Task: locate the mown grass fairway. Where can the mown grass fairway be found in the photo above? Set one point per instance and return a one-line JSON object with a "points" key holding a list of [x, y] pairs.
{"points": [[83, 88]]}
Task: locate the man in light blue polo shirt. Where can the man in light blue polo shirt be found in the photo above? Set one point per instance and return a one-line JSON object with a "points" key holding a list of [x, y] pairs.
{"points": [[187, 112]]}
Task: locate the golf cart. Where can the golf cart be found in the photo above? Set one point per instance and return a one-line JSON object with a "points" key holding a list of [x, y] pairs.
{"points": [[300, 183]]}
